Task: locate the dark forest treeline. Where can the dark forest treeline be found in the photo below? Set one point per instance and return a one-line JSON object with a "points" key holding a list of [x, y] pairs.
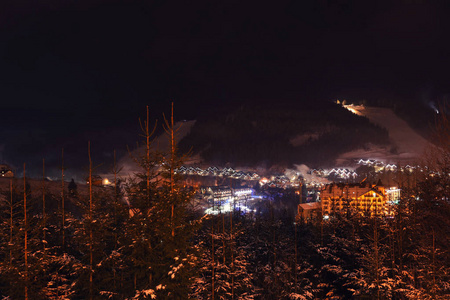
{"points": [[257, 135], [149, 241]]}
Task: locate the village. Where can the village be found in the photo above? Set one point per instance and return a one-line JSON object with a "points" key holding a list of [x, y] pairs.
{"points": [[309, 197]]}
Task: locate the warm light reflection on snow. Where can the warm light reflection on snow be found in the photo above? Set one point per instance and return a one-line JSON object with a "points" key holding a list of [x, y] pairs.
{"points": [[356, 109]]}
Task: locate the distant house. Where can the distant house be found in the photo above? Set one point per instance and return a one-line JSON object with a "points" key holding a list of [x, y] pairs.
{"points": [[96, 180], [307, 212], [5, 171]]}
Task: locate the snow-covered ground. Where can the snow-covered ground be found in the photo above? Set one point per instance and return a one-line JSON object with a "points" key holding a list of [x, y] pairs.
{"points": [[409, 144]]}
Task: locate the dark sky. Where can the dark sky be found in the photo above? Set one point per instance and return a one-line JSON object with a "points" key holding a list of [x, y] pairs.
{"points": [[73, 71]]}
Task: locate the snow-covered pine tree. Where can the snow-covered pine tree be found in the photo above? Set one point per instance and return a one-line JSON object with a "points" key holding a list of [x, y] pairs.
{"points": [[95, 242], [232, 277], [19, 272], [160, 254], [9, 233]]}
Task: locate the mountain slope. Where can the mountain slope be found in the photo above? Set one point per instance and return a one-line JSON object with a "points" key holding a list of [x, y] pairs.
{"points": [[408, 144], [277, 134]]}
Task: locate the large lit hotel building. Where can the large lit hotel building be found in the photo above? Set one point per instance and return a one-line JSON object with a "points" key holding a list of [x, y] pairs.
{"points": [[365, 198]]}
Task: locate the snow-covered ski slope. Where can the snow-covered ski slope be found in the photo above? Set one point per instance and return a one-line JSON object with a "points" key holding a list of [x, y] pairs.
{"points": [[409, 144]]}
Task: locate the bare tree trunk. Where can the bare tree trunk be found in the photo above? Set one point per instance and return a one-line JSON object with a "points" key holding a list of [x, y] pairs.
{"points": [[62, 202], [392, 242], [213, 263], [321, 228], [169, 128], [90, 223], [44, 215], [172, 166], [116, 196], [11, 204], [25, 228], [223, 237], [147, 138], [400, 226], [377, 268], [147, 135], [274, 249], [295, 258], [272, 223], [116, 200], [232, 254], [434, 263]]}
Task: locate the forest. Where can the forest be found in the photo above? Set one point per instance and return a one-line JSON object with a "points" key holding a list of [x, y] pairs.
{"points": [[146, 239]]}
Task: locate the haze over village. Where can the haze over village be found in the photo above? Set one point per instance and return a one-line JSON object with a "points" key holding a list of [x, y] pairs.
{"points": [[171, 150]]}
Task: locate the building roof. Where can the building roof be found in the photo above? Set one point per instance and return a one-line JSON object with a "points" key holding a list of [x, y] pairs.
{"points": [[310, 205]]}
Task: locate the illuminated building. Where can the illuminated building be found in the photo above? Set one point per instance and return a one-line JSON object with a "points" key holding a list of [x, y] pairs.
{"points": [[217, 195], [242, 194], [393, 198], [393, 195], [96, 180], [365, 198], [307, 212], [222, 199]]}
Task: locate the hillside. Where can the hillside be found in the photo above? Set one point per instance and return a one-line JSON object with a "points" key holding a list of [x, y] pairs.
{"points": [[407, 144], [277, 134]]}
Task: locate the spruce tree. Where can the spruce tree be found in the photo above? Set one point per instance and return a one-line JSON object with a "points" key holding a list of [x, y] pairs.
{"points": [[160, 252]]}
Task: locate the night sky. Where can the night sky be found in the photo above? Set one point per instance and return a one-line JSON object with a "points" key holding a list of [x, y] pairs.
{"points": [[73, 71]]}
